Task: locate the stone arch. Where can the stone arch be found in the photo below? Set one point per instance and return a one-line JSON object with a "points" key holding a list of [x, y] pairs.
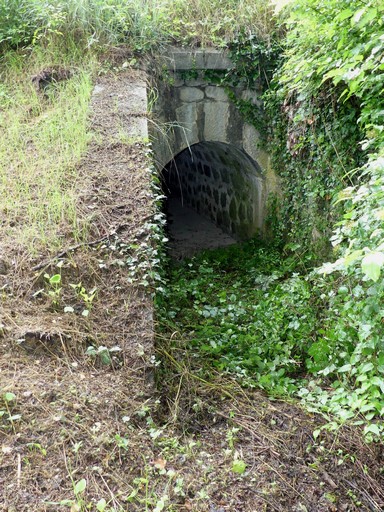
{"points": [[219, 181], [190, 110]]}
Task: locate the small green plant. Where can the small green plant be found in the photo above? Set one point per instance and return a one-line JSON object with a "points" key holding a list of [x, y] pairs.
{"points": [[103, 354], [77, 504], [37, 447], [7, 415], [231, 437], [87, 297], [122, 442], [239, 466], [54, 287]]}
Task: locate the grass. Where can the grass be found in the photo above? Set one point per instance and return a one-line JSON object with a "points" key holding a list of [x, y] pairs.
{"points": [[44, 135], [140, 25]]}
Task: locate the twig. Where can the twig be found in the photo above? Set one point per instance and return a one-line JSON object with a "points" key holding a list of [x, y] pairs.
{"points": [[18, 470], [375, 507], [77, 246]]}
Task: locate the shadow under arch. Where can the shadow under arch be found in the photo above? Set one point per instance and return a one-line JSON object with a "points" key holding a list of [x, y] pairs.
{"points": [[220, 182]]}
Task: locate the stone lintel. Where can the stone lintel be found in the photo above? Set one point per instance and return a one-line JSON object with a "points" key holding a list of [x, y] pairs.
{"points": [[184, 59]]}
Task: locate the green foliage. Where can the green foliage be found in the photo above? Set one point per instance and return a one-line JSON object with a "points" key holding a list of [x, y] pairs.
{"points": [[254, 323], [327, 98], [255, 59], [24, 21], [324, 112], [8, 416], [140, 25], [247, 312]]}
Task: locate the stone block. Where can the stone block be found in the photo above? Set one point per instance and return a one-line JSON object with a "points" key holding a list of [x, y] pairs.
{"points": [[191, 94], [233, 209], [251, 140], [177, 82], [137, 127], [186, 118], [239, 182], [216, 59], [252, 96], [216, 93], [184, 59], [216, 121]]}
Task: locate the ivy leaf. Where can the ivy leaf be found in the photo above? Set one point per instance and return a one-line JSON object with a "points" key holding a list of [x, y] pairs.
{"points": [[352, 257], [373, 428], [369, 16], [358, 16], [55, 279], [346, 13], [371, 265], [101, 505], [345, 368]]}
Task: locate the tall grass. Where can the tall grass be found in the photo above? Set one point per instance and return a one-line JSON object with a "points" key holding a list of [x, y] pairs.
{"points": [[42, 140], [142, 25]]}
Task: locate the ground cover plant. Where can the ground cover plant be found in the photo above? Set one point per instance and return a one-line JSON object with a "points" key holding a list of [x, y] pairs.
{"points": [[243, 307], [255, 314], [329, 92]]}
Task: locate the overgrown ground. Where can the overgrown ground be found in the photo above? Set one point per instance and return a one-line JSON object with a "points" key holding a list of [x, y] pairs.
{"points": [[91, 416], [85, 428]]}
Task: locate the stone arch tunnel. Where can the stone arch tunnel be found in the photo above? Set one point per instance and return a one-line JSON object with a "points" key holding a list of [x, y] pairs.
{"points": [[221, 182], [208, 155]]}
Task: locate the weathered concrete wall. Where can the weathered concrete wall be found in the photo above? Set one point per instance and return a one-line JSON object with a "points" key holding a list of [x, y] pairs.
{"points": [[221, 182], [189, 110]]}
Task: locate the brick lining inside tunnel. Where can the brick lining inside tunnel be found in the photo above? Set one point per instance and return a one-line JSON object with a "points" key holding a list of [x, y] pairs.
{"points": [[220, 182]]}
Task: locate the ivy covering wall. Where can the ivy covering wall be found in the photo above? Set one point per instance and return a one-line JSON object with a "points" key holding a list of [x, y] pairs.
{"points": [[325, 105]]}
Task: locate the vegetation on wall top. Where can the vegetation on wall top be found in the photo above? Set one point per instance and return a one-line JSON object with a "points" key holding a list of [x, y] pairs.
{"points": [[139, 25]]}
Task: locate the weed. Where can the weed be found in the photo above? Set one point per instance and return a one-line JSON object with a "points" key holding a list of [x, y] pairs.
{"points": [[54, 288], [7, 414], [86, 297], [105, 355]]}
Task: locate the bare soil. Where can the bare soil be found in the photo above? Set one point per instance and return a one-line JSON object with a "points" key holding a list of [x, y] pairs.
{"points": [[139, 443]]}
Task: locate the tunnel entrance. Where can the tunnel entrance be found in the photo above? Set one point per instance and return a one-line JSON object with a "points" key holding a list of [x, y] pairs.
{"points": [[214, 197]]}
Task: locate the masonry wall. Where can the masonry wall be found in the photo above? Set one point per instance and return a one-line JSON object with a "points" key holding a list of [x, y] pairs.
{"points": [[220, 182], [189, 108]]}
